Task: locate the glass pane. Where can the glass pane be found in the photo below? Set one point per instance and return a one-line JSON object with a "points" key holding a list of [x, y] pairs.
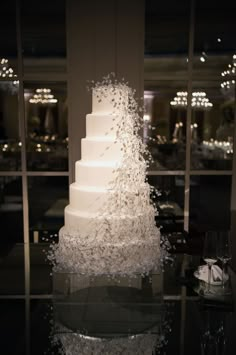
{"points": [[43, 36], [209, 203], [46, 217], [212, 127], [12, 327], [9, 124], [8, 45], [47, 132], [166, 38], [169, 200], [11, 247], [165, 124], [41, 317], [215, 32], [10, 144]]}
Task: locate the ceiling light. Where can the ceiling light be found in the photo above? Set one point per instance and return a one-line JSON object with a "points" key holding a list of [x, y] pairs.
{"points": [[43, 96], [228, 85], [5, 70], [199, 100], [146, 117], [10, 82]]}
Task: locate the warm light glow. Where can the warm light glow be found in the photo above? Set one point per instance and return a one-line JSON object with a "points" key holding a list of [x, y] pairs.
{"points": [[225, 146], [146, 117], [148, 95], [199, 100], [6, 72], [229, 74], [43, 96]]}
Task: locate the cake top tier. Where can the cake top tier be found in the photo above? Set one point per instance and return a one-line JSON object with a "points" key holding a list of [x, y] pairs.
{"points": [[108, 99]]}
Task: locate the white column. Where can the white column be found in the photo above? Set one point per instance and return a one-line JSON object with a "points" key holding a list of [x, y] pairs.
{"points": [[102, 37]]}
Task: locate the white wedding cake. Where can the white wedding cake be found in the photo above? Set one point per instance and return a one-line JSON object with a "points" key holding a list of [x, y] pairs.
{"points": [[110, 220]]}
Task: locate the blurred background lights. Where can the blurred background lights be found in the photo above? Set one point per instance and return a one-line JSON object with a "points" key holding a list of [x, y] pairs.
{"points": [[43, 96], [199, 100]]}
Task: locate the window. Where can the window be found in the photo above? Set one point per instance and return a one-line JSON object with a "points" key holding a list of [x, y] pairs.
{"points": [[33, 140], [189, 114], [189, 82]]}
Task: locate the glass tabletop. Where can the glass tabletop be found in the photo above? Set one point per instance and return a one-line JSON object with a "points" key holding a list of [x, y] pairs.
{"points": [[153, 314], [160, 313]]}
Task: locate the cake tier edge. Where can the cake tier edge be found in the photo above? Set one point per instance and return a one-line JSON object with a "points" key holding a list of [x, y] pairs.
{"points": [[109, 227], [94, 200], [103, 173]]}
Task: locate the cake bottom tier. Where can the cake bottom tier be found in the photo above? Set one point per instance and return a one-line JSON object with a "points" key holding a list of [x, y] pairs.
{"points": [[95, 257], [105, 227]]}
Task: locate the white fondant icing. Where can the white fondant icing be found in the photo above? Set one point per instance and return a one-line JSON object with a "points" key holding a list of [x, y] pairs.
{"points": [[100, 149], [95, 173], [93, 199], [84, 225], [100, 125], [87, 199]]}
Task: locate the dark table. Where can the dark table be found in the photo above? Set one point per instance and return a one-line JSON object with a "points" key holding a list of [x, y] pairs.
{"points": [[163, 313]]}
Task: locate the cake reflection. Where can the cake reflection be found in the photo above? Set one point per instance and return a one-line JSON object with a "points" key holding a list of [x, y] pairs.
{"points": [[109, 315]]}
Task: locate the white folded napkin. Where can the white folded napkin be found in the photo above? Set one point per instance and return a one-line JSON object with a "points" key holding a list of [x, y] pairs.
{"points": [[216, 274]]}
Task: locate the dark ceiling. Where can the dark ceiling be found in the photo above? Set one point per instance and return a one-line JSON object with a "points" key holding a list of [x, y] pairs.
{"points": [[166, 27], [168, 23], [42, 26]]}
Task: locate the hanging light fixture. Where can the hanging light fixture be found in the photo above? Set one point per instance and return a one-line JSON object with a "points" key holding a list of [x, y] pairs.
{"points": [[228, 85], [6, 72], [9, 80], [199, 100], [43, 96]]}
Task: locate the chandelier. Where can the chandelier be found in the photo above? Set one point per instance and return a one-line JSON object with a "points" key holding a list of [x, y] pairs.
{"points": [[43, 96], [199, 100], [228, 84], [9, 80]]}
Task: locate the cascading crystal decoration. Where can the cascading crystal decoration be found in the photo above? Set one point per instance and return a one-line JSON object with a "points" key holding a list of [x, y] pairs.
{"points": [[139, 344], [110, 222]]}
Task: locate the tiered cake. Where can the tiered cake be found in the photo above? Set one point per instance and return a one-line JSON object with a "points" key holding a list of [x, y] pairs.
{"points": [[110, 220]]}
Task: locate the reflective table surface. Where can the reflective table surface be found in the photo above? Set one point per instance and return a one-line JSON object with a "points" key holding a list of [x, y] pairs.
{"points": [[165, 313]]}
